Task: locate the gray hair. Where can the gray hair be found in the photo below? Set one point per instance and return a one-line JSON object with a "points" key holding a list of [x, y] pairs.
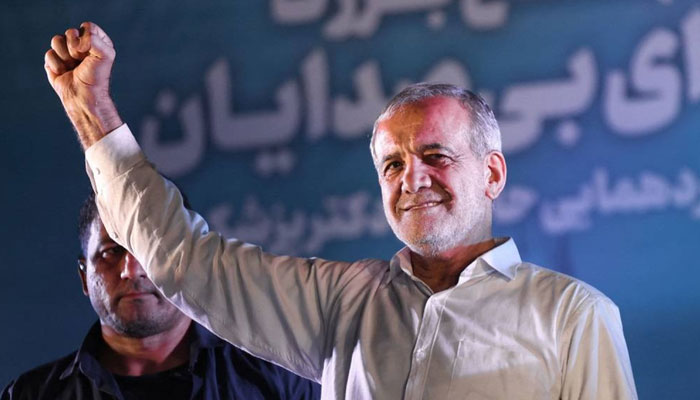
{"points": [[484, 136]]}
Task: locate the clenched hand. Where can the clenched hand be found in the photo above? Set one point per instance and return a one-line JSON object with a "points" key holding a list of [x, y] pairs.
{"points": [[78, 66]]}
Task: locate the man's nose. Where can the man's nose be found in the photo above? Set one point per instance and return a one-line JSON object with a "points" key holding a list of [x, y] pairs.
{"points": [[132, 268], [416, 176]]}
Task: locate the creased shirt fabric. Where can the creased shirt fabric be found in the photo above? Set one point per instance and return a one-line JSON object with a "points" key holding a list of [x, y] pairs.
{"points": [[216, 370], [368, 329]]}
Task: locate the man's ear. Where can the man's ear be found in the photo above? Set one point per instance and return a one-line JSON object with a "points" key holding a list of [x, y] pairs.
{"points": [[496, 176], [82, 268]]}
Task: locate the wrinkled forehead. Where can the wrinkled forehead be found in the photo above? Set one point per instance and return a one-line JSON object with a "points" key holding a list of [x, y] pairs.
{"points": [[438, 120]]}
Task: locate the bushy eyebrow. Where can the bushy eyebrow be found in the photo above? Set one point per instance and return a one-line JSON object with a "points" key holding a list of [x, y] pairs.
{"points": [[435, 146], [103, 241], [389, 157], [422, 149]]}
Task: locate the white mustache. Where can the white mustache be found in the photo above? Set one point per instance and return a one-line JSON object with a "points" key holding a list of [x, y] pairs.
{"points": [[419, 200]]}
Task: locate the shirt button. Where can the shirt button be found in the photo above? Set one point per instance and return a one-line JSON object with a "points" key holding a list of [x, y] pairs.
{"points": [[420, 355]]}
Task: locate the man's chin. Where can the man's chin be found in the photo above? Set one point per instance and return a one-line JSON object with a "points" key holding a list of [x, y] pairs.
{"points": [[139, 328], [428, 245], [140, 322]]}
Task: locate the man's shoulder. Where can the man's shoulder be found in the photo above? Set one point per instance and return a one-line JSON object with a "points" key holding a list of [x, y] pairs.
{"points": [[250, 374], [263, 377], [250, 366], [36, 382], [554, 284]]}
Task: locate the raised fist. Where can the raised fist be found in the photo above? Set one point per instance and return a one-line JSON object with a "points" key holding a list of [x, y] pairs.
{"points": [[78, 66]]}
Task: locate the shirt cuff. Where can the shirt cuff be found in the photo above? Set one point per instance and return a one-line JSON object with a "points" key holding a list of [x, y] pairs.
{"points": [[112, 156]]}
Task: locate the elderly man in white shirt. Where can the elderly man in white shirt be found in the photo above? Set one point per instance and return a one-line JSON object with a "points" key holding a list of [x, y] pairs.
{"points": [[456, 314]]}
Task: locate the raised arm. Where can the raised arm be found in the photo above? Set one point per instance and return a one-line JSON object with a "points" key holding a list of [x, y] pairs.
{"points": [[283, 309], [78, 66]]}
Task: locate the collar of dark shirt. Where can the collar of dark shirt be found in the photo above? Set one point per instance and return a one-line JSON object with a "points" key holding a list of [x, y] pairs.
{"points": [[86, 356], [504, 258]]}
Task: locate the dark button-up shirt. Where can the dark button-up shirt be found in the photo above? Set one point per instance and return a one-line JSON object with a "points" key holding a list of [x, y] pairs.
{"points": [[218, 371]]}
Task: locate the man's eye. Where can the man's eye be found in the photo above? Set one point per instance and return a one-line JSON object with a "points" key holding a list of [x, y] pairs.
{"points": [[436, 158], [111, 252], [392, 166]]}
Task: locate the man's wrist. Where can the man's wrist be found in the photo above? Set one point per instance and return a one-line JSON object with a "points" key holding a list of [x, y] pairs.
{"points": [[93, 121]]}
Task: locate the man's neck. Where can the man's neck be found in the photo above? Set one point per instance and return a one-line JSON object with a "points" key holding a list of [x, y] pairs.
{"points": [[441, 271], [124, 355]]}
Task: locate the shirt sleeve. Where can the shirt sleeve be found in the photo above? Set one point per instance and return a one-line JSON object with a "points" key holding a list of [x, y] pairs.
{"points": [[597, 364], [274, 307]]}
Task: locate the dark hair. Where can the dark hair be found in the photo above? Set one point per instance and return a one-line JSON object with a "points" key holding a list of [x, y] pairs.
{"points": [[484, 135], [89, 214]]}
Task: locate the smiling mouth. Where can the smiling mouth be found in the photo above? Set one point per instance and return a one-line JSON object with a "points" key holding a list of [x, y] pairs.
{"points": [[421, 206]]}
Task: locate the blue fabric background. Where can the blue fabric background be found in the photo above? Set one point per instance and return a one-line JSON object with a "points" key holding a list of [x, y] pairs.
{"points": [[604, 180]]}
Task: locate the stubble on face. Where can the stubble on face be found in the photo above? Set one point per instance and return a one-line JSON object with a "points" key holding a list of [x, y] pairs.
{"points": [[136, 318], [143, 315], [454, 209], [433, 231]]}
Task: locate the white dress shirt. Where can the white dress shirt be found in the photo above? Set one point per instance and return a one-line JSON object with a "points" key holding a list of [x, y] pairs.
{"points": [[368, 329]]}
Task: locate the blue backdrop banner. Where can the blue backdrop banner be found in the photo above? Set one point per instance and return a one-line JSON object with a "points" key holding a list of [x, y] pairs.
{"points": [[262, 112]]}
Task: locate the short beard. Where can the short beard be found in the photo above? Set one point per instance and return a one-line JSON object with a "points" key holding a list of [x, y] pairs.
{"points": [[431, 245], [476, 227], [142, 328]]}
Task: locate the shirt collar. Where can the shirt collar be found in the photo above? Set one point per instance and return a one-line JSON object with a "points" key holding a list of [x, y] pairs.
{"points": [[504, 259], [86, 362], [86, 357], [87, 352]]}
